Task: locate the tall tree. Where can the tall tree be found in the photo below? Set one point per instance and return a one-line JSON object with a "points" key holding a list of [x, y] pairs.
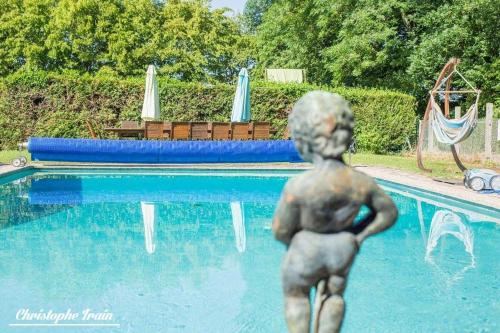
{"points": [[295, 34], [254, 12], [197, 43], [467, 29], [79, 32], [134, 39], [372, 46], [383, 43], [23, 31], [184, 38]]}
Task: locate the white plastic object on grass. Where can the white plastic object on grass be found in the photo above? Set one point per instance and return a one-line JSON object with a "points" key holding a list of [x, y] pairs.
{"points": [[495, 183], [482, 179], [19, 162]]}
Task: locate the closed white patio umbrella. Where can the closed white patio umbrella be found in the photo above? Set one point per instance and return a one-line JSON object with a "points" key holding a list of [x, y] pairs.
{"points": [[151, 106], [241, 103]]}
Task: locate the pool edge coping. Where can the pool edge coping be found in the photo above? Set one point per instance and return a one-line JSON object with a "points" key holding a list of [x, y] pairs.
{"points": [[8, 170]]}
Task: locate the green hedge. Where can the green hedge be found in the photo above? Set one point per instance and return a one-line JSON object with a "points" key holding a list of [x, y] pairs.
{"points": [[41, 104]]}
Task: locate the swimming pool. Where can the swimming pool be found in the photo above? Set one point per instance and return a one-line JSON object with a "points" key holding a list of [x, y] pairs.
{"points": [[192, 251]]}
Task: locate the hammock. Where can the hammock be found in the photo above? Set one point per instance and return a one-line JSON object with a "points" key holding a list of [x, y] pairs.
{"points": [[452, 131]]}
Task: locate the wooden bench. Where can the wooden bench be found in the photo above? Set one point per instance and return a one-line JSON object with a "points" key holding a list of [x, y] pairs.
{"points": [[196, 130]]}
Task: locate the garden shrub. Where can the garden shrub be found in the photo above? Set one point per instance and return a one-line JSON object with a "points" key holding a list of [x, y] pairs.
{"points": [[51, 105]]}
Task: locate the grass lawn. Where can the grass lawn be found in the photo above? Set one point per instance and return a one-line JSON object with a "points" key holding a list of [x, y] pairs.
{"points": [[442, 167], [8, 155]]}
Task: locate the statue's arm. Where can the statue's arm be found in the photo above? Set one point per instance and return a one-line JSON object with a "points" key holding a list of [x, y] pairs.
{"points": [[286, 218], [383, 213]]}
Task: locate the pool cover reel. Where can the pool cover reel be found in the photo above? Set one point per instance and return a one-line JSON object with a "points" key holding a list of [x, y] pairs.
{"points": [[142, 151]]}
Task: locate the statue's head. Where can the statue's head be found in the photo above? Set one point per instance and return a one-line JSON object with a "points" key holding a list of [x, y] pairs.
{"points": [[321, 124]]}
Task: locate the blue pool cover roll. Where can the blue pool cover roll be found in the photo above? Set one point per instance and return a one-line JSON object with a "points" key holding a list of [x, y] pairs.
{"points": [[151, 152]]}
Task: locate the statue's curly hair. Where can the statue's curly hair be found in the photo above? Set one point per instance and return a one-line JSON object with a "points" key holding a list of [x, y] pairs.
{"points": [[321, 123]]}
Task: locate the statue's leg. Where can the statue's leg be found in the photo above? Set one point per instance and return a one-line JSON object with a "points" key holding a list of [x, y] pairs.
{"points": [[332, 311], [297, 310]]}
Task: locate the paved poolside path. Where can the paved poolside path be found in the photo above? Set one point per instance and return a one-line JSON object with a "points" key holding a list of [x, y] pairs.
{"points": [[427, 183], [393, 175], [6, 169]]}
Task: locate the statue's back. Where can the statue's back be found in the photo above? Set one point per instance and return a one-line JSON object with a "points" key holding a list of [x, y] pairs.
{"points": [[329, 199]]}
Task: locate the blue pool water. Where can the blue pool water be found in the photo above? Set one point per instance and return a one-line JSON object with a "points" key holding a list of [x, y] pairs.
{"points": [[192, 251]]}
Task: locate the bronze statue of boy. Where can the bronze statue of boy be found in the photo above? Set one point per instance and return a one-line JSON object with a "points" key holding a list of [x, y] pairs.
{"points": [[316, 212]]}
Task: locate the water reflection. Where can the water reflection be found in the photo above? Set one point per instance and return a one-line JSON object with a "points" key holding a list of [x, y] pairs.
{"points": [[444, 223], [238, 217], [152, 193], [16, 208], [451, 222], [48, 189], [449, 268], [148, 219]]}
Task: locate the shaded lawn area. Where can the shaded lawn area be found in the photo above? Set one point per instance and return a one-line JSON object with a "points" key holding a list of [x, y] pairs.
{"points": [[442, 167]]}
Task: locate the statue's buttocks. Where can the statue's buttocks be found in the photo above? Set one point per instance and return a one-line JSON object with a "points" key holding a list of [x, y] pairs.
{"points": [[313, 257]]}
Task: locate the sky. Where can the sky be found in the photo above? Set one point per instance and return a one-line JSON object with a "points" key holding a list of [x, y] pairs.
{"points": [[236, 5]]}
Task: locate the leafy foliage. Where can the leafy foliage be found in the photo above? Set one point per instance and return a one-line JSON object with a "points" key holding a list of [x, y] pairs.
{"points": [[393, 44], [468, 30], [295, 33], [59, 106], [184, 39], [390, 44], [254, 12]]}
